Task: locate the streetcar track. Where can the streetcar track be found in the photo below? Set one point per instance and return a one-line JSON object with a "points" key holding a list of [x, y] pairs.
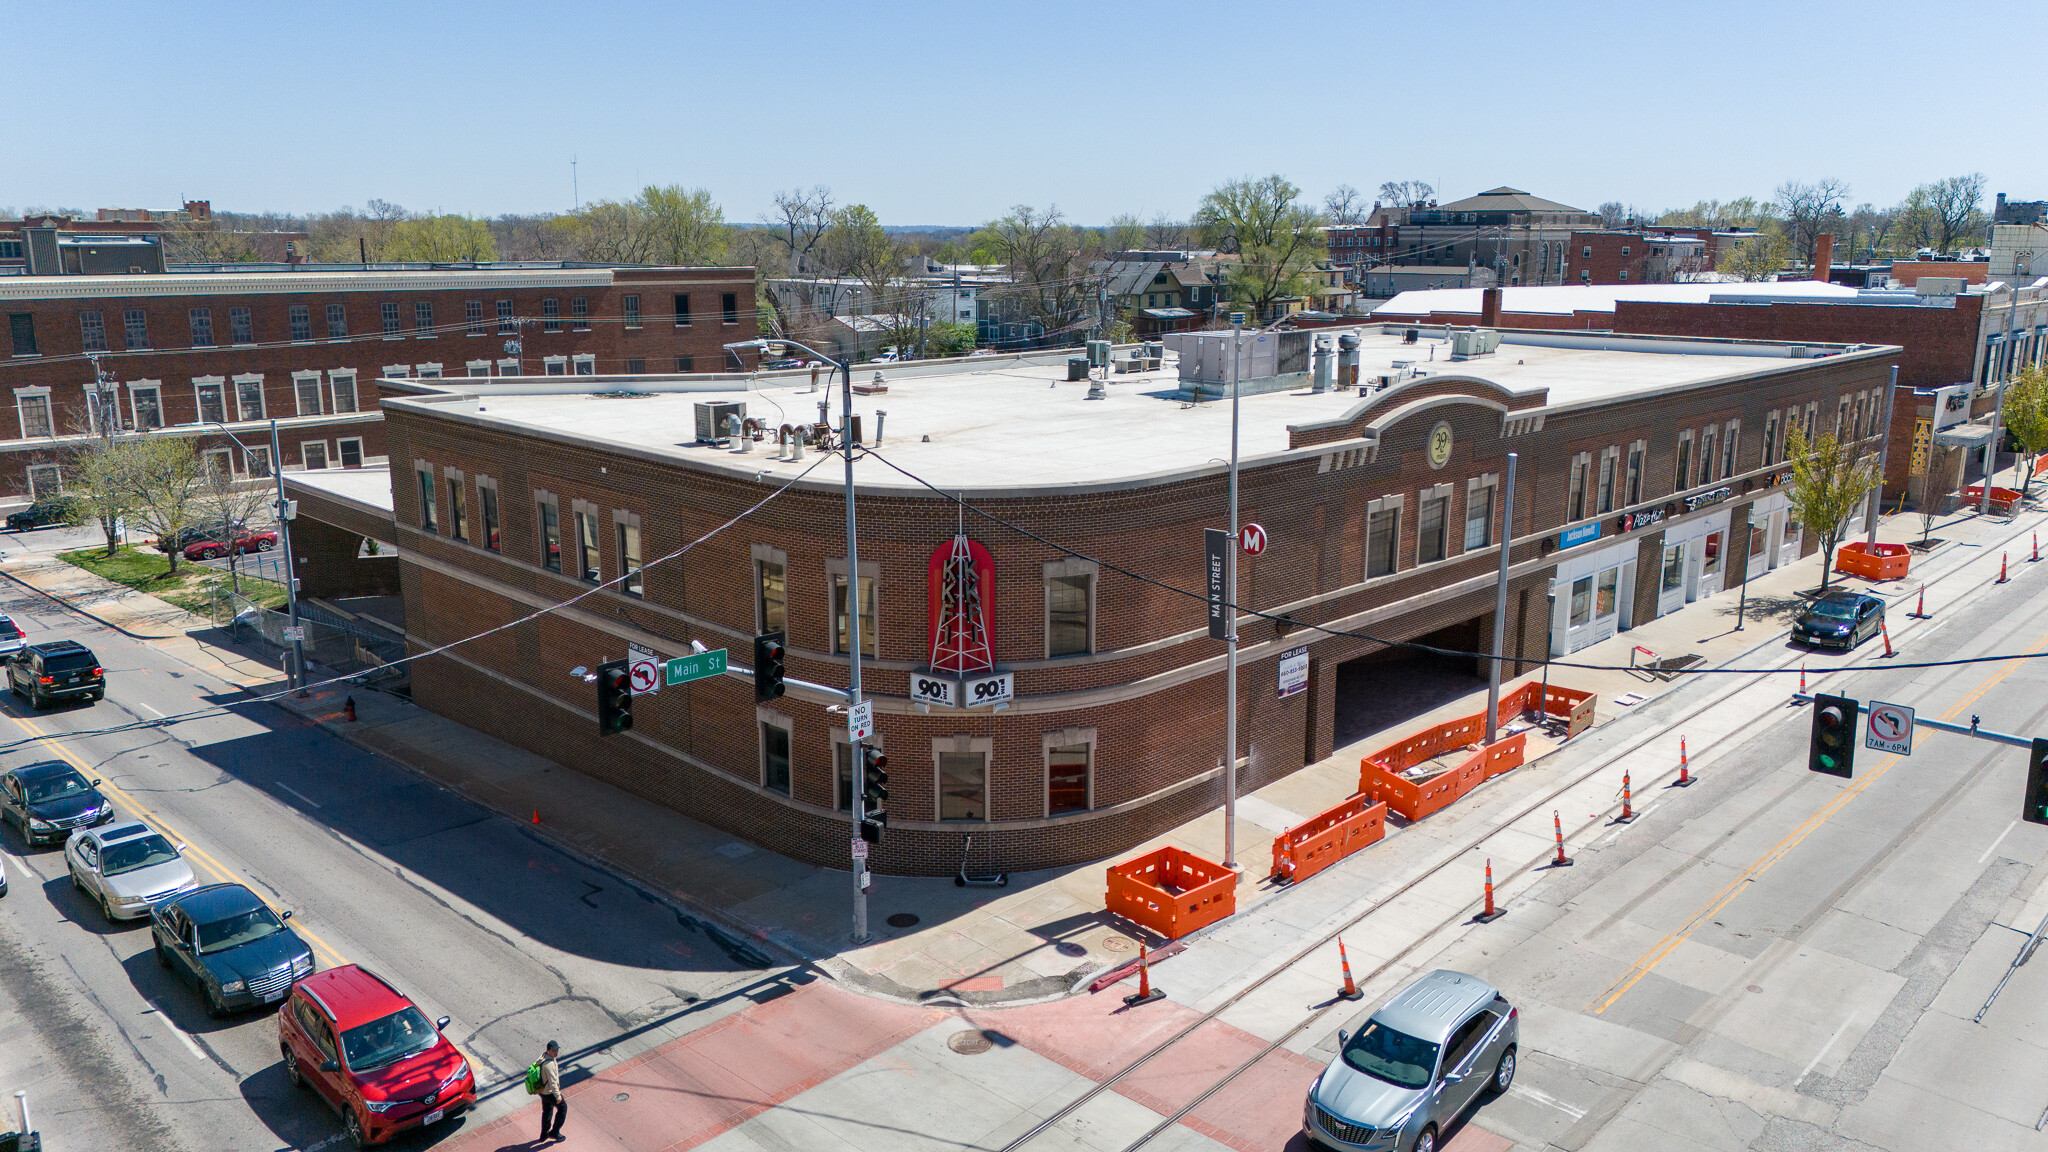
{"points": [[1742, 732]]}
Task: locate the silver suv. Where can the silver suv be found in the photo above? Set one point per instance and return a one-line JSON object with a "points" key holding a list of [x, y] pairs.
{"points": [[1415, 1066]]}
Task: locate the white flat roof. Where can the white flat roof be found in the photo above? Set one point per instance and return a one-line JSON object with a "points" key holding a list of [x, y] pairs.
{"points": [[1021, 425], [1564, 299], [369, 487]]}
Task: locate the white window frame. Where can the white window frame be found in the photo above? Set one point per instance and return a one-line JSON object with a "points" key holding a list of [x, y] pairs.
{"points": [[327, 460], [299, 382], [761, 554], [1581, 478], [1434, 492], [1066, 738], [1373, 508], [1684, 447], [1610, 468], [21, 416], [335, 377], [1069, 567], [426, 371], [1488, 483], [33, 470], [262, 402], [156, 389], [555, 365], [1638, 458], [1731, 449], [199, 406], [583, 364], [835, 568], [397, 371], [478, 367], [355, 440], [963, 745], [509, 367], [227, 455]]}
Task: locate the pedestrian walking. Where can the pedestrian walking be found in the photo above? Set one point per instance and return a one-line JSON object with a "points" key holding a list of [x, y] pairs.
{"points": [[553, 1109]]}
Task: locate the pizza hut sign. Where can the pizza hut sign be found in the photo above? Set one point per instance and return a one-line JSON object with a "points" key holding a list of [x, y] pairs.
{"points": [[1643, 519]]}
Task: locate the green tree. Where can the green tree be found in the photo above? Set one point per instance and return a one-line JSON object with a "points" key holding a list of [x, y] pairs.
{"points": [[1758, 258], [1276, 238], [945, 338], [2026, 417], [1048, 282], [683, 226], [440, 240], [1124, 233], [160, 478], [1829, 479]]}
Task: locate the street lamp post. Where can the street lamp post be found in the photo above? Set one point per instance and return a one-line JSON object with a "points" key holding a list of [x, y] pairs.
{"points": [[856, 749], [1230, 620], [297, 672]]}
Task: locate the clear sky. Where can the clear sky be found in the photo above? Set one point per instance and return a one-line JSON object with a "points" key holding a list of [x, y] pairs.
{"points": [[947, 113]]}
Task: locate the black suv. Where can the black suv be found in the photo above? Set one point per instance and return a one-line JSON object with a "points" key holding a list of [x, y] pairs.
{"points": [[42, 513], [59, 670]]}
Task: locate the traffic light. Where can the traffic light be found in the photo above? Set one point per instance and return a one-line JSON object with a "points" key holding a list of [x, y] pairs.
{"points": [[767, 667], [1833, 747], [2036, 810], [614, 698], [874, 792]]}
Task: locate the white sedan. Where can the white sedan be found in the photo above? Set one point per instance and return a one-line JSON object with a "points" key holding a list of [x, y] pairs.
{"points": [[127, 867]]}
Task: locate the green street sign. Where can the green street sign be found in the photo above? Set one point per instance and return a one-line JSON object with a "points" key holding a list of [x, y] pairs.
{"points": [[696, 666]]}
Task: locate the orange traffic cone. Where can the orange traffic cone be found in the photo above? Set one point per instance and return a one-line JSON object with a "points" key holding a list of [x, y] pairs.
{"points": [[1350, 990], [1920, 608], [1146, 992], [1492, 913], [1802, 675], [1684, 767], [536, 815], [1561, 860], [1887, 634], [2001, 569], [1627, 813]]}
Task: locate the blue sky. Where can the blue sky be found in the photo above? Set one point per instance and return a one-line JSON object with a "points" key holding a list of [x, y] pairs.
{"points": [[947, 113]]}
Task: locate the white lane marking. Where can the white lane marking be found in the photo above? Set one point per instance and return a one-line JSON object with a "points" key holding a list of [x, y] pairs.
{"points": [[148, 709], [190, 1045], [1844, 1027], [300, 795], [1547, 1100], [1997, 842]]}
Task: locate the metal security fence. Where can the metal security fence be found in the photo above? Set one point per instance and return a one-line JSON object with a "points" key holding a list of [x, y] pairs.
{"points": [[331, 642]]}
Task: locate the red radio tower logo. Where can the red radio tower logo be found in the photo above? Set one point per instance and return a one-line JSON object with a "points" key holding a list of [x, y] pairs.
{"points": [[962, 580]]}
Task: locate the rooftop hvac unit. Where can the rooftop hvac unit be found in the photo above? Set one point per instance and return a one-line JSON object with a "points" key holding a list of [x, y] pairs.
{"points": [[711, 418], [1098, 353], [1411, 336]]}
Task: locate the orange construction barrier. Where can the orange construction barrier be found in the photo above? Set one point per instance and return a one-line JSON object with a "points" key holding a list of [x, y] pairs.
{"points": [[1873, 561], [1415, 799], [2002, 499], [1315, 844], [1171, 892]]}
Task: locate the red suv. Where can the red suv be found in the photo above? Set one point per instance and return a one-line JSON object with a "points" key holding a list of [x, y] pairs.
{"points": [[371, 1054]]}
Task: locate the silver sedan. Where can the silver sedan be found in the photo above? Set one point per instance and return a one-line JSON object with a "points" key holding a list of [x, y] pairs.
{"points": [[127, 867]]}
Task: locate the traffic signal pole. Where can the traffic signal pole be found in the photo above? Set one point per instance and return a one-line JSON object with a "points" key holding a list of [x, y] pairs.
{"points": [[856, 749], [1973, 729]]}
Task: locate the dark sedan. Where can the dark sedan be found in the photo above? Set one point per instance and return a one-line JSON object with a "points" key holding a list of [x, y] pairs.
{"points": [[48, 800], [224, 940], [1839, 620]]}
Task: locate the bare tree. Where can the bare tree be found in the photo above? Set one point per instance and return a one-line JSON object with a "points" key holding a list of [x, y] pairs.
{"points": [[1954, 201], [799, 221], [1613, 214], [1809, 210], [1405, 192], [1048, 286], [1163, 234], [225, 506], [160, 477], [1345, 205], [1123, 233]]}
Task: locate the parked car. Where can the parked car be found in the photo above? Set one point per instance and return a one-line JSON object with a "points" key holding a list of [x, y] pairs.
{"points": [[58, 670], [784, 362], [1415, 1066], [12, 638], [371, 1054], [1840, 619], [48, 800], [42, 514], [192, 534], [225, 941], [211, 548], [126, 867]]}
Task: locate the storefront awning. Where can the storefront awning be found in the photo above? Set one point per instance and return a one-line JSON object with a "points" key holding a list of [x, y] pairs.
{"points": [[1168, 313], [1963, 436]]}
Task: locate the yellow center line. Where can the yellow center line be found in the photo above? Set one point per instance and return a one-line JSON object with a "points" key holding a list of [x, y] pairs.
{"points": [[1778, 851], [220, 870]]}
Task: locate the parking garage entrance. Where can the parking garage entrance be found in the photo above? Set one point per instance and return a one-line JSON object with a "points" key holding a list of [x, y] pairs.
{"points": [[1382, 689]]}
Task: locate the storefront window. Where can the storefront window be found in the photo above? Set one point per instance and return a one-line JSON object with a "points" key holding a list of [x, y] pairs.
{"points": [[1674, 567], [1582, 601], [1610, 580], [963, 786], [1067, 779], [1713, 561]]}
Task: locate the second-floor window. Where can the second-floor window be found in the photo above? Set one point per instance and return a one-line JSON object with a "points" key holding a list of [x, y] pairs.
{"points": [[579, 313], [249, 399], [389, 312], [337, 321], [729, 306], [487, 503], [149, 408], [1682, 474], [473, 317], [344, 388], [1707, 455], [426, 479], [202, 327], [840, 624], [1382, 531], [1635, 475], [1478, 517], [92, 331], [35, 417], [629, 558], [550, 536], [458, 510], [1066, 614], [505, 325], [1430, 526], [586, 546], [1607, 481], [1575, 497], [212, 403], [771, 595], [630, 305], [423, 317], [551, 315], [682, 309]]}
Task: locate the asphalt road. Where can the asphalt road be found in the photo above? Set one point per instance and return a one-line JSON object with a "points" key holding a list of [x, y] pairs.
{"points": [[465, 911]]}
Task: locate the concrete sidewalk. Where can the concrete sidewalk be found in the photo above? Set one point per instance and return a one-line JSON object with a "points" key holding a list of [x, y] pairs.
{"points": [[933, 943]]}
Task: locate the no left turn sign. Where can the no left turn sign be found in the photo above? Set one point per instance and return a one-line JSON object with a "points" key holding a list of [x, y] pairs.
{"points": [[1890, 728]]}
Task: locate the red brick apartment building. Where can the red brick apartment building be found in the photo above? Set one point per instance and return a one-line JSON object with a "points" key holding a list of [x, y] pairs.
{"points": [[1649, 475], [1949, 333], [189, 350]]}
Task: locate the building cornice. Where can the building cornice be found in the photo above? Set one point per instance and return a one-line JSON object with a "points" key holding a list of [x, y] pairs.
{"points": [[292, 283]]}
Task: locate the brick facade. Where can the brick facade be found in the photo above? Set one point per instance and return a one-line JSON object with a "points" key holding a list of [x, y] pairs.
{"points": [[1147, 697]]}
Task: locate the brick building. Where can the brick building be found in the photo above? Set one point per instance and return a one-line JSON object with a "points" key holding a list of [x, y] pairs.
{"points": [[186, 350], [1520, 237], [1635, 256], [1643, 464], [1949, 332]]}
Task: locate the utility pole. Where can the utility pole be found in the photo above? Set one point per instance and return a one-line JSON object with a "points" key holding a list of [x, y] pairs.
{"points": [[1230, 620], [856, 748]]}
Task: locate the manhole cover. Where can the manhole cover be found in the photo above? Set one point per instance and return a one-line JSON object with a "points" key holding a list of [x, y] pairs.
{"points": [[903, 920], [1069, 948], [971, 1042], [1117, 944], [620, 1097]]}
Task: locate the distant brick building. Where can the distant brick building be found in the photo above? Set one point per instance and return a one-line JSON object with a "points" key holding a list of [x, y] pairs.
{"points": [[1649, 476], [185, 351]]}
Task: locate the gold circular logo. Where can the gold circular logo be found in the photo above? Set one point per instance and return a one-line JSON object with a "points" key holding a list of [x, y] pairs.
{"points": [[1440, 445]]}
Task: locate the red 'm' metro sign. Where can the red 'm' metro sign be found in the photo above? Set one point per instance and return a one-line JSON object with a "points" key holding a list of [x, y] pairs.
{"points": [[1251, 538]]}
